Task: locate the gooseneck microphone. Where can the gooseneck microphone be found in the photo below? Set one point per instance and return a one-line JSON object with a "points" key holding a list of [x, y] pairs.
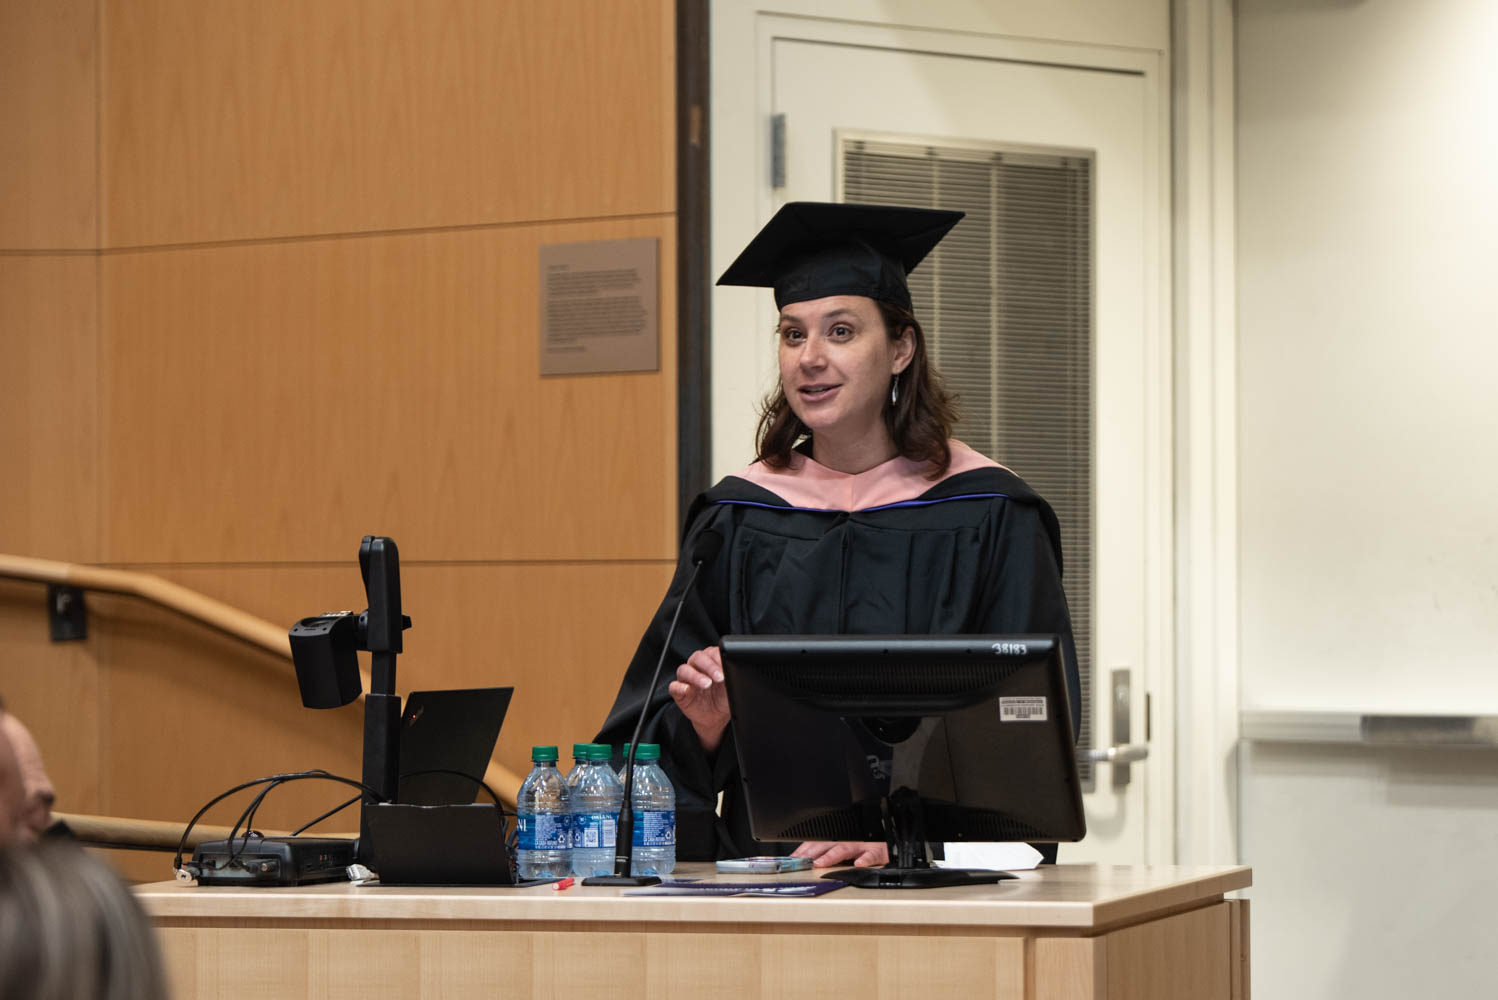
{"points": [[707, 546]]}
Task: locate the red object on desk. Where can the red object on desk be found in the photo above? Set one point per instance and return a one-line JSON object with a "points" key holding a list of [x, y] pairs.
{"points": [[565, 883]]}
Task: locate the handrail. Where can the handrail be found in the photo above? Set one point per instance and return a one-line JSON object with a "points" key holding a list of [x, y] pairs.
{"points": [[150, 834], [1431, 731], [216, 614], [230, 620]]}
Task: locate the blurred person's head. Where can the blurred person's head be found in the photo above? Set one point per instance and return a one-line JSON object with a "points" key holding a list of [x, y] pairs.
{"points": [[70, 929], [37, 793], [12, 790]]}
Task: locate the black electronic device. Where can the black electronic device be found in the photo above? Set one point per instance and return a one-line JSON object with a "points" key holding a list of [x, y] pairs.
{"points": [[255, 860], [441, 845], [439, 837], [452, 734], [324, 652], [446, 740], [907, 739]]}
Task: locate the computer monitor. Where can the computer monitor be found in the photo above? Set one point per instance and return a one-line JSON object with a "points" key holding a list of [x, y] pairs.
{"points": [[908, 739]]}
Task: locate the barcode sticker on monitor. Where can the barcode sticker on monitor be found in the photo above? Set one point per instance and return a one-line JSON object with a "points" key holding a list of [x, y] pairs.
{"points": [[1022, 710]]}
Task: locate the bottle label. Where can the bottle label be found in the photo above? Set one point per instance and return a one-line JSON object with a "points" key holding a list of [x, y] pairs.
{"points": [[655, 829], [544, 832], [593, 830]]}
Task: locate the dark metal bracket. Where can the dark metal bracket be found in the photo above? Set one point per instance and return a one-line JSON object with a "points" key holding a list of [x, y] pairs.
{"points": [[66, 613]]}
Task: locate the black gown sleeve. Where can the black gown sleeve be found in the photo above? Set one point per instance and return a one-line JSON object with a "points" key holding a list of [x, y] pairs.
{"points": [[692, 771], [1025, 595]]}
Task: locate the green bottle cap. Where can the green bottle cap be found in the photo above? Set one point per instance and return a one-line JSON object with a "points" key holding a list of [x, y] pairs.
{"points": [[580, 751], [648, 751], [543, 754], [602, 751]]}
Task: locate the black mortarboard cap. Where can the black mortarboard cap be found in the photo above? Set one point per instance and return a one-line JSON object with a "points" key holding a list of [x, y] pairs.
{"points": [[811, 250]]}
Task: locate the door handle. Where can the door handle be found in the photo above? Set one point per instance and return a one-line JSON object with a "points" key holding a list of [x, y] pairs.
{"points": [[1129, 753], [1122, 753]]}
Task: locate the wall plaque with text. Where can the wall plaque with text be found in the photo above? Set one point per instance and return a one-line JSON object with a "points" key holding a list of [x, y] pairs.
{"points": [[599, 307]]}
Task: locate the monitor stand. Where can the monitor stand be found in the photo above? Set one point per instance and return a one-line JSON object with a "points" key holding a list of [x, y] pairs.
{"points": [[908, 867]]}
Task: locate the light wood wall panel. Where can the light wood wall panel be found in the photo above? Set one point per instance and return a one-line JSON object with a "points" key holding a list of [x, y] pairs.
{"points": [[48, 125], [48, 380], [153, 714], [235, 119], [187, 713], [54, 689], [560, 633], [306, 310], [271, 401]]}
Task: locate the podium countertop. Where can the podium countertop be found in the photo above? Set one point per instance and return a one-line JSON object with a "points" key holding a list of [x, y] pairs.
{"points": [[1084, 897]]}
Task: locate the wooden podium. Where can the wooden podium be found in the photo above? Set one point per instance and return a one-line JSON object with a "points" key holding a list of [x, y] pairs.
{"points": [[1067, 931]]}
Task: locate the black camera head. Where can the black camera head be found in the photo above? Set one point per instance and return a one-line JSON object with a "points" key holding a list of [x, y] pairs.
{"points": [[324, 650]]}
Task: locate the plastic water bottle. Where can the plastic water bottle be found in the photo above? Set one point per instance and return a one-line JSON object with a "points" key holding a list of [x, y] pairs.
{"points": [[544, 820], [580, 761], [654, 803], [596, 800]]}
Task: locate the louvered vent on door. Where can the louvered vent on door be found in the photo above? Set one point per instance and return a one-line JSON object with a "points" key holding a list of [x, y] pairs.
{"points": [[1006, 300]]}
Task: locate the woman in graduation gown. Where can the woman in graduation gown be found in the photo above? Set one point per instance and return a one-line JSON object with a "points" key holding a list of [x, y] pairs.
{"points": [[860, 514]]}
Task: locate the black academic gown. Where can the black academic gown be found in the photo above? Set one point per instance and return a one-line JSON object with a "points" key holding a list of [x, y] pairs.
{"points": [[977, 553]]}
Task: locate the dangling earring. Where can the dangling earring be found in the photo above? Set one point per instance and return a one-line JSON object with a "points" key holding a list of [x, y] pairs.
{"points": [[894, 390]]}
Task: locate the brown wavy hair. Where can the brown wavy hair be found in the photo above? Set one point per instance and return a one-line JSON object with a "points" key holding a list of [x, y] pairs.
{"points": [[920, 424]]}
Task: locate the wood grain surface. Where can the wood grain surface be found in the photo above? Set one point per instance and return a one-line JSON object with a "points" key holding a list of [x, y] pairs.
{"points": [[301, 307], [268, 402], [49, 162], [261, 962], [54, 689], [1069, 967], [246, 119], [49, 502], [154, 714], [1183, 957], [1069, 899], [1035, 938]]}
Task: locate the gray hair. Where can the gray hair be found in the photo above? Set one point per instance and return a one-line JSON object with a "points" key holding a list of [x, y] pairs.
{"points": [[71, 930]]}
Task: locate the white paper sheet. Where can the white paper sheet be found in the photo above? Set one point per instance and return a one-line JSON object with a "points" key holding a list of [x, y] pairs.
{"points": [[1020, 857]]}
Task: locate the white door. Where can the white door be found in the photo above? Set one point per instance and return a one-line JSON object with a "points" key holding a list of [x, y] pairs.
{"points": [[827, 88]]}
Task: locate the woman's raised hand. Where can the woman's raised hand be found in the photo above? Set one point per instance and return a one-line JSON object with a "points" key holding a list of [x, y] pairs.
{"points": [[698, 691]]}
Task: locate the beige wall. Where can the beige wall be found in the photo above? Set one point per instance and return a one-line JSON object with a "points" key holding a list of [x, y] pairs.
{"points": [[1368, 231], [267, 284]]}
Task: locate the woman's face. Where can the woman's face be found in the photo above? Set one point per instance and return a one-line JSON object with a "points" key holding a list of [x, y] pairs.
{"points": [[836, 360]]}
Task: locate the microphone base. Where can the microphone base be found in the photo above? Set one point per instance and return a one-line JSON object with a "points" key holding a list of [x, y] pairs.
{"points": [[622, 880]]}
